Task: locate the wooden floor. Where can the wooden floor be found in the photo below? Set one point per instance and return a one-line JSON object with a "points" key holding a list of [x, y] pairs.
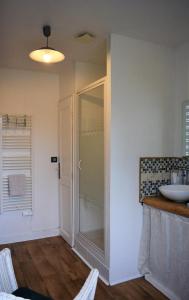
{"points": [[50, 267]]}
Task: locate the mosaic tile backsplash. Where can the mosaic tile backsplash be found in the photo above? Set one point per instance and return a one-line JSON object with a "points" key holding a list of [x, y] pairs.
{"points": [[156, 171]]}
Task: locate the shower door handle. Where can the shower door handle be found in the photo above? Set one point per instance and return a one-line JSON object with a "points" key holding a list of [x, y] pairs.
{"points": [[79, 165], [59, 175]]}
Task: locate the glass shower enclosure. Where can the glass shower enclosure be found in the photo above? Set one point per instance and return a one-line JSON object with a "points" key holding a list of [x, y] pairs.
{"points": [[90, 115]]}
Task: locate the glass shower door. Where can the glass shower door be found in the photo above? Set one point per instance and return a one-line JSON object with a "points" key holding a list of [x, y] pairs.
{"points": [[91, 165]]}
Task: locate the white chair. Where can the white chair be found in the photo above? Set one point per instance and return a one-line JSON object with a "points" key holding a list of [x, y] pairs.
{"points": [[87, 292], [8, 282]]}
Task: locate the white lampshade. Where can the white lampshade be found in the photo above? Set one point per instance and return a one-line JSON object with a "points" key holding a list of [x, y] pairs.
{"points": [[47, 55]]}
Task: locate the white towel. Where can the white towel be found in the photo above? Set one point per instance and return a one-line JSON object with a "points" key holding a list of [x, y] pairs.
{"points": [[17, 184]]}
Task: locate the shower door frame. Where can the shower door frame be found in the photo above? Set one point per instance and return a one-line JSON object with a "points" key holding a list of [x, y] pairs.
{"points": [[80, 240]]}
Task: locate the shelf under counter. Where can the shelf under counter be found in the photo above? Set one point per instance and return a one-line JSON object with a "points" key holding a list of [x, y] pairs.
{"points": [[162, 203]]}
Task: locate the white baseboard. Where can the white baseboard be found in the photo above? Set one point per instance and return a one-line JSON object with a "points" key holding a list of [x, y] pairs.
{"points": [[124, 279], [65, 236], [101, 277], [162, 288], [34, 235]]}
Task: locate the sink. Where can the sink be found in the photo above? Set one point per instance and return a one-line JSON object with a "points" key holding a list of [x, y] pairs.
{"points": [[176, 192]]}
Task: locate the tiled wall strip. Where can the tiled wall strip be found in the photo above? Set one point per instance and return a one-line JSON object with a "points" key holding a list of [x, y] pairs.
{"points": [[156, 171]]}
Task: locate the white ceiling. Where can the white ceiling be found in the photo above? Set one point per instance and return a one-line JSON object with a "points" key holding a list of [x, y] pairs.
{"points": [[160, 21]]}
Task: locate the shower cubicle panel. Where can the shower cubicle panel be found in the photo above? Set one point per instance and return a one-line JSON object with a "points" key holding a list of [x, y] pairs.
{"points": [[91, 165]]}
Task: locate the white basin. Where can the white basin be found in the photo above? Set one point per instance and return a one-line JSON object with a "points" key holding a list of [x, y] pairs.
{"points": [[177, 192]]}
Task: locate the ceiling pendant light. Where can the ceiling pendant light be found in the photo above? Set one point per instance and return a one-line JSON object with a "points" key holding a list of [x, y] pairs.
{"points": [[47, 54]]}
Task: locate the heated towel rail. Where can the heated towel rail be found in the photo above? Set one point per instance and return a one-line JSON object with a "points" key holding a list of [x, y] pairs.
{"points": [[15, 158]]}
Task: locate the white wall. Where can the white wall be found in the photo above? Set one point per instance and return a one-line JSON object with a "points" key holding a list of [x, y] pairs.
{"points": [[36, 94], [67, 79], [86, 73], [142, 92], [181, 94], [76, 75]]}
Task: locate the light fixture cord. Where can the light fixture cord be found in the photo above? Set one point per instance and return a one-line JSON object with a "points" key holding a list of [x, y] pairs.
{"points": [[47, 42]]}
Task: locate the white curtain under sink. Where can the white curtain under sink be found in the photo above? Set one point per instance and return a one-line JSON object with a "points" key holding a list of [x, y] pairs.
{"points": [[164, 252]]}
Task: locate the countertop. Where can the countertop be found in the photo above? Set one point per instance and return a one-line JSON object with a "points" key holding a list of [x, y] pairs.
{"points": [[167, 205]]}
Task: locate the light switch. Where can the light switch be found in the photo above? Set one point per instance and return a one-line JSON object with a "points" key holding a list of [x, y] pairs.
{"points": [[54, 159]]}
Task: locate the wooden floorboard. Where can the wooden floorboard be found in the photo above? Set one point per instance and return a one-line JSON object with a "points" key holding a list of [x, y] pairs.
{"points": [[50, 267]]}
